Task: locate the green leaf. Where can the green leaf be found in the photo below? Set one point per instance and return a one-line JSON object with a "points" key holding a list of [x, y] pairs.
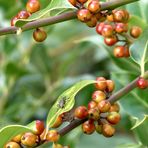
{"points": [[8, 132], [139, 50], [66, 101], [55, 7]]}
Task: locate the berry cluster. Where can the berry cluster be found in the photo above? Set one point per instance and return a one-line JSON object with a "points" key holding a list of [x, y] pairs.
{"points": [[32, 6], [113, 26], [100, 113]]}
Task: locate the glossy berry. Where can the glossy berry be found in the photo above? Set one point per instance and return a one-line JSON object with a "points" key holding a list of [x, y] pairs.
{"points": [[29, 139], [110, 85], [94, 6], [135, 31], [99, 28], [81, 112], [73, 2], [33, 6], [39, 35], [126, 52], [107, 30], [12, 145], [110, 41], [91, 105], [104, 106], [119, 51], [98, 128], [108, 130], [39, 128], [98, 96], [92, 22], [58, 122], [113, 117], [52, 136], [121, 27], [114, 108], [88, 127], [23, 14], [17, 138], [94, 114], [101, 83], [13, 20], [142, 83], [84, 15], [82, 1]]}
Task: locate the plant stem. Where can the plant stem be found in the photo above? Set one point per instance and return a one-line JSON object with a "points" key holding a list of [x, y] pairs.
{"points": [[62, 17], [118, 95]]}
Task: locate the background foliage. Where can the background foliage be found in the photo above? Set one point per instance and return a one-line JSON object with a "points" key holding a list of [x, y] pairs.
{"points": [[33, 75]]}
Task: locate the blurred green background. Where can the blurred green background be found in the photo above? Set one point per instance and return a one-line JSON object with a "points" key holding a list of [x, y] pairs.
{"points": [[33, 75]]}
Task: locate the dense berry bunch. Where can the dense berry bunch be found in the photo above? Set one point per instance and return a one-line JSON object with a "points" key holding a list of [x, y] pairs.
{"points": [[113, 26], [32, 6], [100, 113]]}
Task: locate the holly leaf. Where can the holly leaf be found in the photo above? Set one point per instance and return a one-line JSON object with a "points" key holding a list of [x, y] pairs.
{"points": [[66, 101], [139, 50], [54, 8], [8, 132]]}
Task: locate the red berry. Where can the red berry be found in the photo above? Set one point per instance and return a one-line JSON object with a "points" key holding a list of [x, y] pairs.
{"points": [[88, 127], [98, 96], [126, 52], [81, 112], [82, 1], [142, 83], [23, 14], [33, 6], [110, 41], [104, 106], [13, 20], [108, 130], [94, 6], [101, 83], [52, 136], [135, 31], [84, 15], [107, 30], [39, 35], [119, 51], [39, 127], [91, 105], [113, 117], [110, 85], [121, 27], [99, 28], [73, 2]]}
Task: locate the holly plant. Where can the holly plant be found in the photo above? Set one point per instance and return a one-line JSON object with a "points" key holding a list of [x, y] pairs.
{"points": [[61, 84]]}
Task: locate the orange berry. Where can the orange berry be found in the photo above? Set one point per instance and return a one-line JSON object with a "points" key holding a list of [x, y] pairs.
{"points": [[33, 6], [52, 136], [98, 96]]}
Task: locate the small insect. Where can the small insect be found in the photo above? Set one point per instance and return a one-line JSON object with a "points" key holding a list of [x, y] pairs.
{"points": [[61, 102]]}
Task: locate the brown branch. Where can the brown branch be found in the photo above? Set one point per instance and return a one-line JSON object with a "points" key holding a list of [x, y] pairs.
{"points": [[62, 17]]}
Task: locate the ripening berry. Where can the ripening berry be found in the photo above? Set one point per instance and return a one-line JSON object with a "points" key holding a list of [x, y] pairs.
{"points": [[33, 6], [120, 16], [91, 105], [39, 128], [108, 130], [13, 20], [110, 18], [142, 83], [39, 35], [104, 106], [121, 27], [12, 145], [99, 128], [135, 31], [82, 1], [110, 41], [119, 51], [81, 112], [99, 28], [114, 108], [110, 85], [84, 15], [126, 52], [98, 96], [92, 22], [58, 122], [107, 31], [88, 127], [56, 145], [52, 136], [17, 138], [94, 6], [94, 114], [113, 117], [101, 83], [23, 14], [29, 139], [73, 2]]}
